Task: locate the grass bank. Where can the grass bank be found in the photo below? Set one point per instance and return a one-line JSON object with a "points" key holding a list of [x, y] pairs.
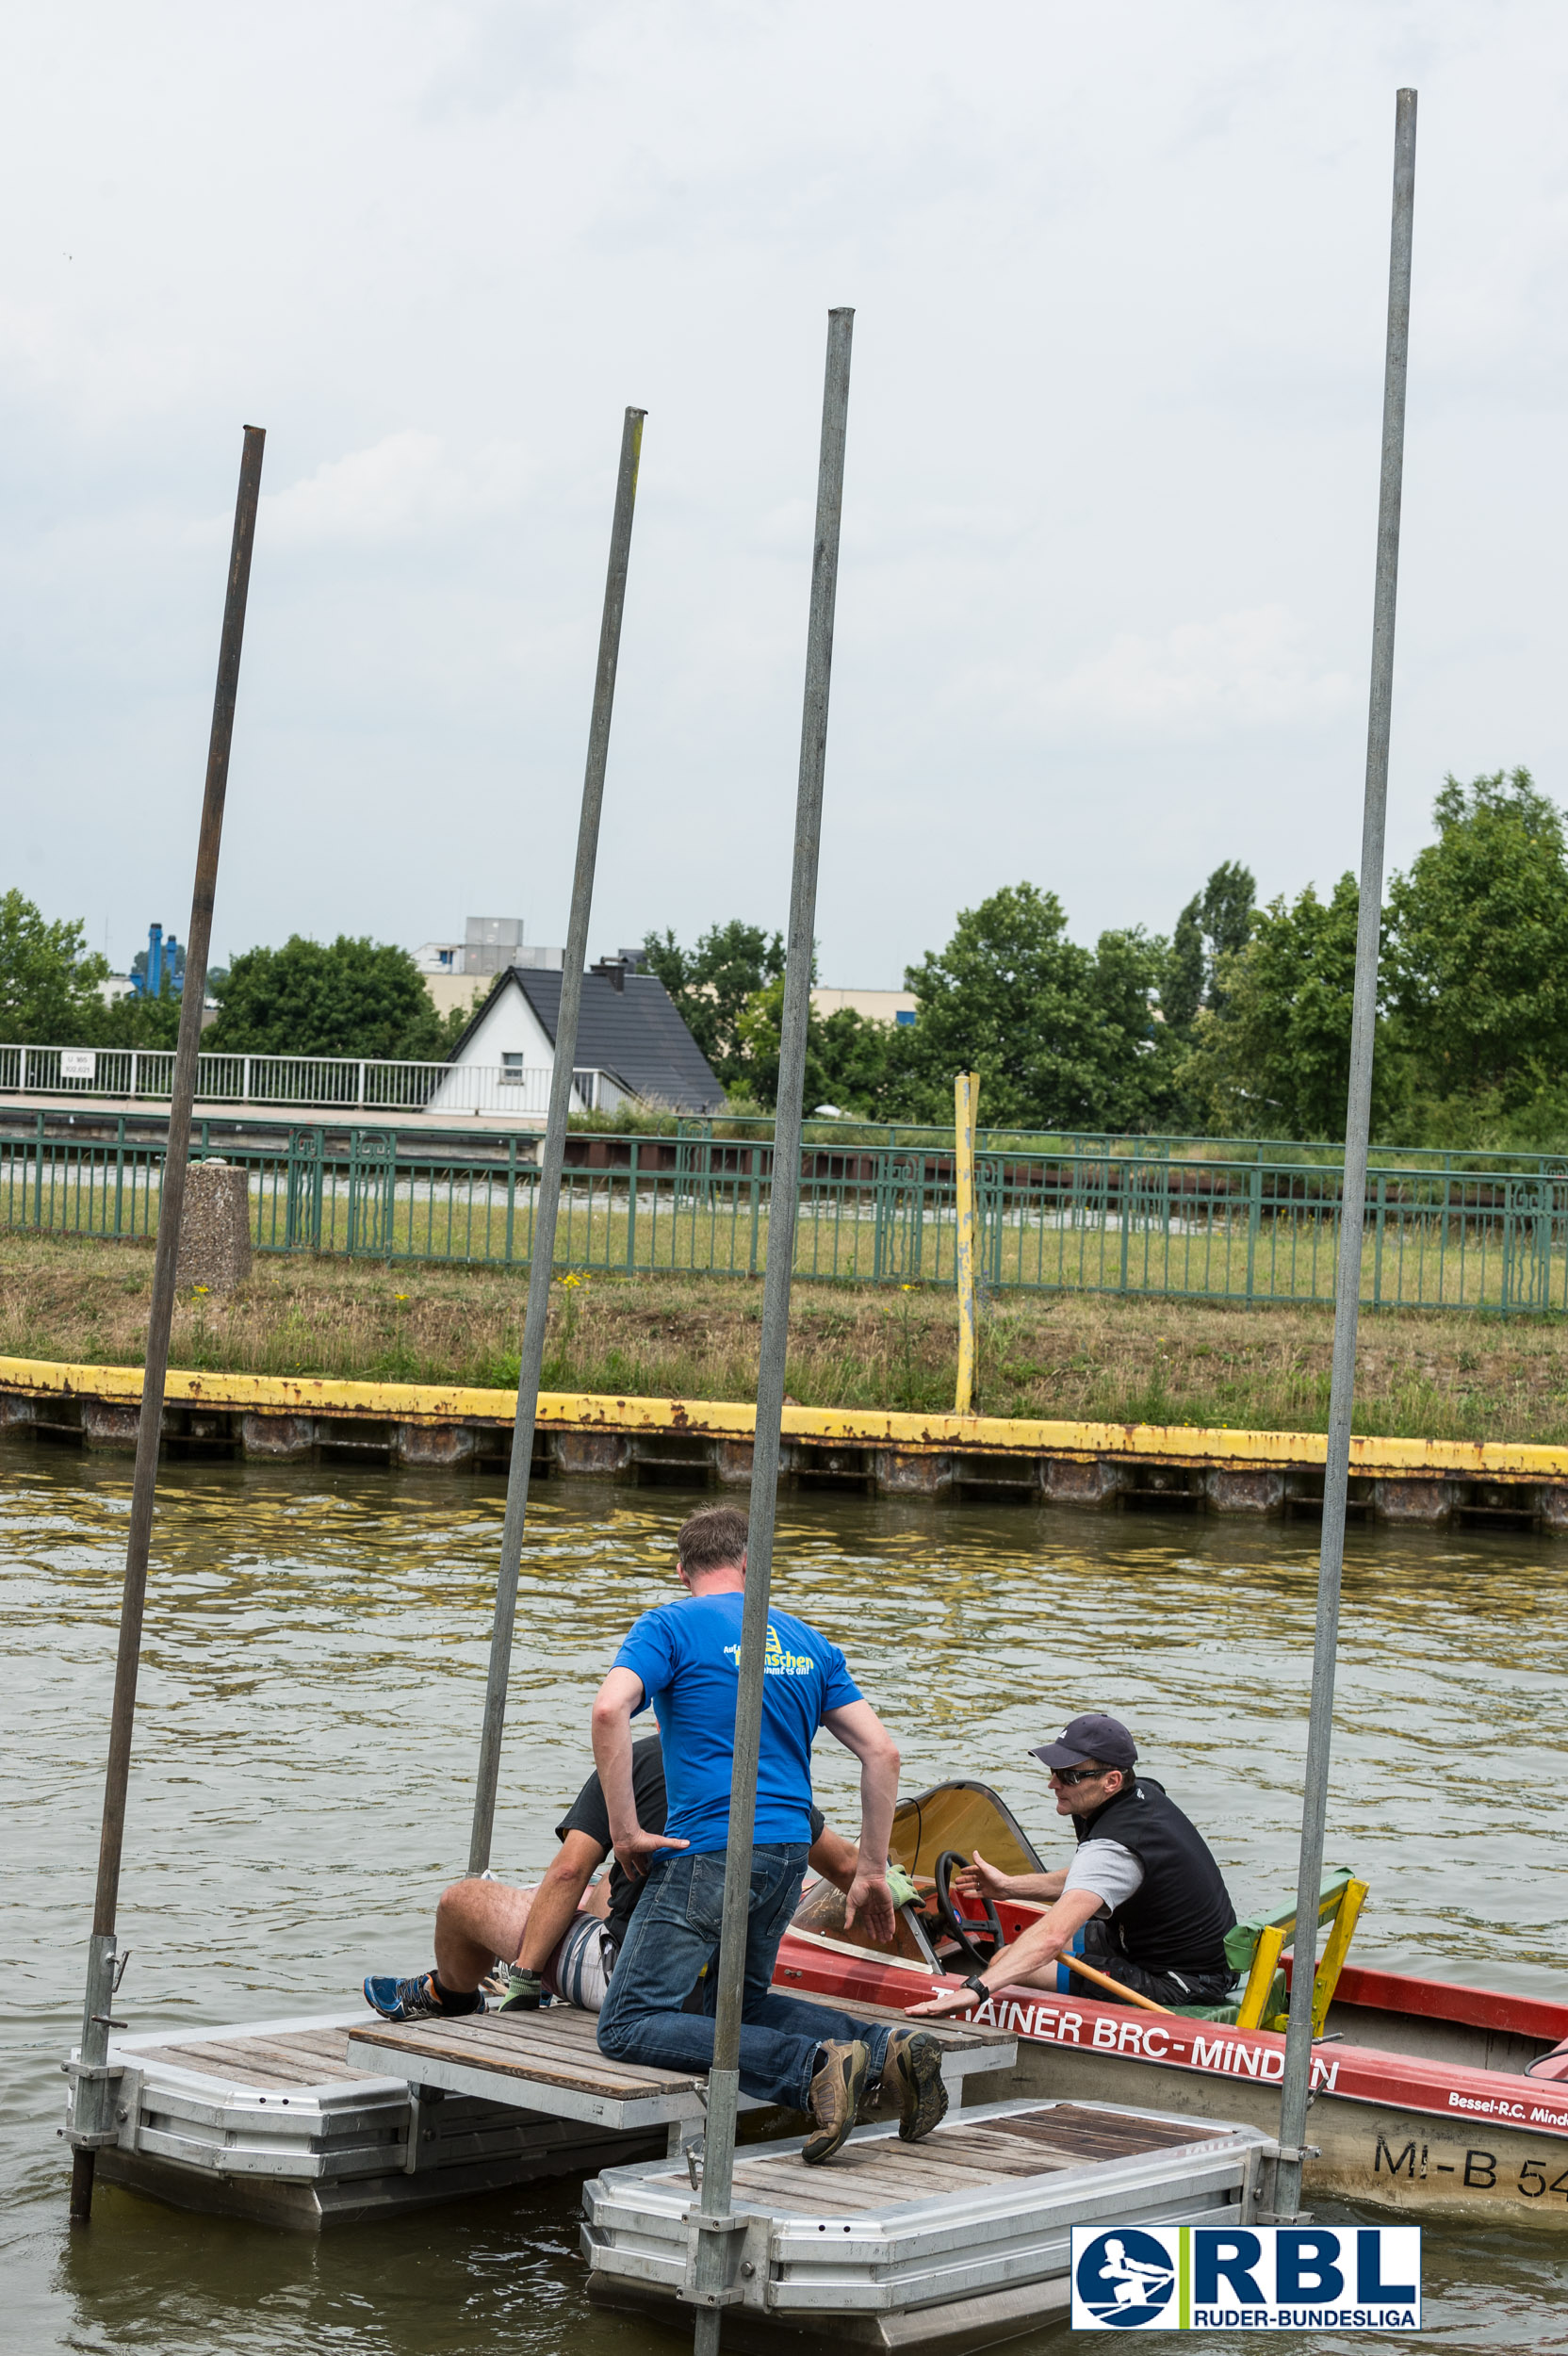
{"points": [[1096, 1357]]}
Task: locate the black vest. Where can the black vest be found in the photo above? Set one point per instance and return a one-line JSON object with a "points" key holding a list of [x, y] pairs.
{"points": [[1177, 1919]]}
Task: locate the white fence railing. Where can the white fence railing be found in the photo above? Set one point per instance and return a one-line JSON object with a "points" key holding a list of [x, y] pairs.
{"points": [[314, 1083]]}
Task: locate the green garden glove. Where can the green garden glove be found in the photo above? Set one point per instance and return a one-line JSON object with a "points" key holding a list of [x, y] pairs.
{"points": [[900, 1888], [523, 1990]]}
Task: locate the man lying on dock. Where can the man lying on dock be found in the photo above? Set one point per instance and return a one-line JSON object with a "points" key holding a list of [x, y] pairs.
{"points": [[684, 1658], [565, 1932], [1143, 1887]]}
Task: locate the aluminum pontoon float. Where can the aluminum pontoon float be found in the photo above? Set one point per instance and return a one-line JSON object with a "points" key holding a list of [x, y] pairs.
{"points": [[336, 2116], [957, 2242]]}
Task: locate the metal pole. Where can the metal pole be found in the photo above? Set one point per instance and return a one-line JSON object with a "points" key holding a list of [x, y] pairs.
{"points": [[93, 2122], [711, 2227], [1295, 2091], [541, 1264], [966, 1092]]}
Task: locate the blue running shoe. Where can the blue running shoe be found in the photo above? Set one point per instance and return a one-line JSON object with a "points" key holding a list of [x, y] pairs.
{"points": [[418, 1999]]}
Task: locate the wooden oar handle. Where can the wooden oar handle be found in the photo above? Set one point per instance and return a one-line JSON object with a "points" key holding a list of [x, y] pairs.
{"points": [[1122, 1995]]}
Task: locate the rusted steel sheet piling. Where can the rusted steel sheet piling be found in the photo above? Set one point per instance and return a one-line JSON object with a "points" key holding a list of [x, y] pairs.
{"points": [[697, 1442]]}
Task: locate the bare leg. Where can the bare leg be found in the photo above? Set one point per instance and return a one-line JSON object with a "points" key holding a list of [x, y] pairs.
{"points": [[475, 1922]]}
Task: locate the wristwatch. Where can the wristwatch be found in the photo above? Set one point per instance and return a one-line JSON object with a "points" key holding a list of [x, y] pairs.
{"points": [[975, 1982]]}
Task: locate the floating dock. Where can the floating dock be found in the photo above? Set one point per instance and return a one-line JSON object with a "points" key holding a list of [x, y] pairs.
{"points": [[270, 2120], [957, 2242], [695, 1443], [334, 2117]]}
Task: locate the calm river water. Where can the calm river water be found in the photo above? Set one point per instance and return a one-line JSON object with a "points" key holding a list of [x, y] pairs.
{"points": [[310, 1699]]}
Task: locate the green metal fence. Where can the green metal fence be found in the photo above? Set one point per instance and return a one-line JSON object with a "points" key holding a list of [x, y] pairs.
{"points": [[1179, 1147], [1091, 1218]]}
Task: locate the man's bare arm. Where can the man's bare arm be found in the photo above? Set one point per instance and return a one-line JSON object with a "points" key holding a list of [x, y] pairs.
{"points": [[618, 1697], [1030, 1954], [857, 1726], [558, 1897], [833, 1858]]}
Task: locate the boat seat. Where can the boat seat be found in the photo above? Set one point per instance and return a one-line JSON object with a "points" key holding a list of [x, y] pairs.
{"points": [[1228, 2016], [1255, 1946]]}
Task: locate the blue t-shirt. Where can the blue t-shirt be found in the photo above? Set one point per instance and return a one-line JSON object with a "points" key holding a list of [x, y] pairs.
{"points": [[688, 1655]]}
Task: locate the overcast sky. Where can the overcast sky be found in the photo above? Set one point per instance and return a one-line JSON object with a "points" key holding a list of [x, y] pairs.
{"points": [[1120, 276]]}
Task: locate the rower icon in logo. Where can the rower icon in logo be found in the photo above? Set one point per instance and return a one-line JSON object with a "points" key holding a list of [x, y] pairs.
{"points": [[1125, 2279]]}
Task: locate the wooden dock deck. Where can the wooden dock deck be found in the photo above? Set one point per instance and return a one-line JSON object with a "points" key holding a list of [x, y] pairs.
{"points": [[549, 2062]]}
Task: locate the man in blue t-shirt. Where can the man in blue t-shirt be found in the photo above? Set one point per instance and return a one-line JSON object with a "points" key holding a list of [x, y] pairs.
{"points": [[684, 1659]]}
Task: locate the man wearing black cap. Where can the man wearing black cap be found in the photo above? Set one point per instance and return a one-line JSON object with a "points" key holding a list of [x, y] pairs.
{"points": [[1144, 1887]]}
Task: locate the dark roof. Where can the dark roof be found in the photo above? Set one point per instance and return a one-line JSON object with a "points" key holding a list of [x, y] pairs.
{"points": [[635, 1033]]}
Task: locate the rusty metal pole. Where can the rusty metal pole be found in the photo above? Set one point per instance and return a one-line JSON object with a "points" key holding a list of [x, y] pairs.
{"points": [[713, 2228], [1295, 2089], [553, 1159], [93, 2106]]}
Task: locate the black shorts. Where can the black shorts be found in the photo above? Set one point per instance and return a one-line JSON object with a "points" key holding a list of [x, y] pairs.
{"points": [[1165, 1988]]}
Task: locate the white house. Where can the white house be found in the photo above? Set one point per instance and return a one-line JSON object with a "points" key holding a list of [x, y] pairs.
{"points": [[632, 1046]]}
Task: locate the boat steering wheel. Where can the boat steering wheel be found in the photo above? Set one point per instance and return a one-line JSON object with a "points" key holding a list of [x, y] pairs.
{"points": [[966, 1933]]}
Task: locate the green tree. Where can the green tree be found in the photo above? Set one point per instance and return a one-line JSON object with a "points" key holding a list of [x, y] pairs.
{"points": [[1215, 923], [1060, 1035], [347, 997], [1273, 1058], [136, 1022], [712, 984], [857, 1066], [49, 978], [1479, 956]]}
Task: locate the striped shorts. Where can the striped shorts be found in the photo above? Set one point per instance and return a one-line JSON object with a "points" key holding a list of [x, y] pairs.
{"points": [[579, 1969]]}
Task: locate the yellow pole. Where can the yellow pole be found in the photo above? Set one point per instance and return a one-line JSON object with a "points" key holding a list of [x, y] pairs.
{"points": [[1265, 1962], [966, 1091], [1335, 1953]]}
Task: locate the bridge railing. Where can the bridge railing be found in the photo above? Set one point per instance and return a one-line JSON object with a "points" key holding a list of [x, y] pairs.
{"points": [[302, 1083]]}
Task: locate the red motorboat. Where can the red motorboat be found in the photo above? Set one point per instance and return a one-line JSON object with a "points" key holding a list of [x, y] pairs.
{"points": [[1428, 2097]]}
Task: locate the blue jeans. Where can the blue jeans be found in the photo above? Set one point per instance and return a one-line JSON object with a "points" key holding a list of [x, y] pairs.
{"points": [[674, 1932]]}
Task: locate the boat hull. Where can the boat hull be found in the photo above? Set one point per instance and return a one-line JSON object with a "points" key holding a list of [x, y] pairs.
{"points": [[1425, 2133], [1398, 2158]]}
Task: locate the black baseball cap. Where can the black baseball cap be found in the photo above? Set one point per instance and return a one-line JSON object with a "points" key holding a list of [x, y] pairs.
{"points": [[1104, 1739]]}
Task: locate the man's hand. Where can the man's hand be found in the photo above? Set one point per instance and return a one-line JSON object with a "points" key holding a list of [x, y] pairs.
{"points": [[636, 1850], [950, 2000], [869, 1897], [981, 1880]]}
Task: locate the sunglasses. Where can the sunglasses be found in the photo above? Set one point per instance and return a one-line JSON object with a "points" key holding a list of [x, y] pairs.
{"points": [[1067, 1776]]}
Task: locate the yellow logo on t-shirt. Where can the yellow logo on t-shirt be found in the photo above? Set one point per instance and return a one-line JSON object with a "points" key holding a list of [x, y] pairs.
{"points": [[776, 1662]]}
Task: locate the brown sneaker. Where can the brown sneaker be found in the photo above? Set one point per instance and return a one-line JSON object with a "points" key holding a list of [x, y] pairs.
{"points": [[913, 2073], [836, 2092]]}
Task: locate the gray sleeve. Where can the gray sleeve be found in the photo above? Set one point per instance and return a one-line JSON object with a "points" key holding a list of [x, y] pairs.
{"points": [[1105, 1867]]}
